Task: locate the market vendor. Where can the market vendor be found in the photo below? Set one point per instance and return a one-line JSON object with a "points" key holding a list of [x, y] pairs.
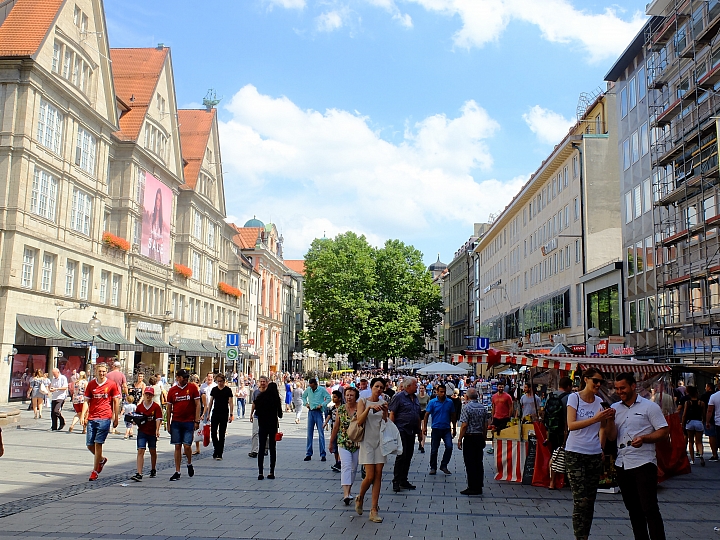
{"points": [[502, 405]]}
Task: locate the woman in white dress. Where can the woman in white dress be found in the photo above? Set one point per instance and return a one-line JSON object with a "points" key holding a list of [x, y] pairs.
{"points": [[370, 412]]}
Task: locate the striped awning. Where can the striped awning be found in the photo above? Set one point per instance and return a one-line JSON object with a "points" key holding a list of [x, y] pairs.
{"points": [[153, 343], [520, 360], [114, 335], [80, 332], [40, 331], [210, 347], [192, 347]]}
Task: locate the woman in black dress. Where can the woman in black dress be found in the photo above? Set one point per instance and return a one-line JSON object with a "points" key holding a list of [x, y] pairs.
{"points": [[268, 408]]}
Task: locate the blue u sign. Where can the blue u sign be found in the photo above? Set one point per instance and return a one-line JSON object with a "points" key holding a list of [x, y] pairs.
{"points": [[483, 343], [232, 340]]}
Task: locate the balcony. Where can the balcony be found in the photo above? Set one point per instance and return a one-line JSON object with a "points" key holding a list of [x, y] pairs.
{"points": [[661, 37], [671, 112], [709, 80], [712, 27]]}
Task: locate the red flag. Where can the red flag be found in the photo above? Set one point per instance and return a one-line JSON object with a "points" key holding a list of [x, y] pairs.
{"points": [[493, 357]]}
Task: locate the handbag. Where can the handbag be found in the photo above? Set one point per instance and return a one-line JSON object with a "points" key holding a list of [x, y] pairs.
{"points": [[278, 435], [557, 460], [43, 389]]}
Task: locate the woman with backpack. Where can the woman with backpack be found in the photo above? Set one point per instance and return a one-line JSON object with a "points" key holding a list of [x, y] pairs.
{"points": [[692, 419], [555, 419], [587, 419]]}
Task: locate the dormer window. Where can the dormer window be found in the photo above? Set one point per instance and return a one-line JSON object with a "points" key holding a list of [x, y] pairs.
{"points": [[71, 66]]}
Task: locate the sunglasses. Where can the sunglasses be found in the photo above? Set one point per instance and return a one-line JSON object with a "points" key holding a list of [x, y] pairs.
{"points": [[597, 381], [625, 445]]}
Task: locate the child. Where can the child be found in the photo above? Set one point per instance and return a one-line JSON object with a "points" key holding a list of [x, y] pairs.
{"points": [[148, 432], [129, 408]]}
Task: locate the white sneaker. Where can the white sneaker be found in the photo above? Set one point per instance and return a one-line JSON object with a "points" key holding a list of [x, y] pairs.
{"points": [[692, 462]]}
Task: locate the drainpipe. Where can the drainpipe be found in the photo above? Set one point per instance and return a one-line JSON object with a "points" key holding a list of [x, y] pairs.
{"points": [[578, 147]]}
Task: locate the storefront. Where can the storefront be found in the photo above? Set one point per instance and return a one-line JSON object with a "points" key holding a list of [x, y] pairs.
{"points": [[151, 358], [196, 358], [74, 359]]}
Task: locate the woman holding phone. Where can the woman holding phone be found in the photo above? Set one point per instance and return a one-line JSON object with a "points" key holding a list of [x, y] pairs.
{"points": [[587, 420]]}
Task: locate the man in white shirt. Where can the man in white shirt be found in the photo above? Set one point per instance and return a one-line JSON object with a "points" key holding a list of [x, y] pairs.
{"points": [[713, 418], [58, 387], [639, 424]]}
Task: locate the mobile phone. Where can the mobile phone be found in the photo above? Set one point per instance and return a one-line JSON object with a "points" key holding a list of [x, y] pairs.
{"points": [[605, 405]]}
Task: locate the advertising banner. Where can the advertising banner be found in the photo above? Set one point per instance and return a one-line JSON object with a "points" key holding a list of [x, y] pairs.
{"points": [[23, 367], [157, 208]]}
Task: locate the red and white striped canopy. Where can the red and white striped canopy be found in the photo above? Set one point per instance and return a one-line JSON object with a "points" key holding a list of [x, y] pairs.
{"points": [[564, 364]]}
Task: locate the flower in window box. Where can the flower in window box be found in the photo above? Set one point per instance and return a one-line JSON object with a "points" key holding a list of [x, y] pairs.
{"points": [[115, 242], [229, 290], [183, 270]]}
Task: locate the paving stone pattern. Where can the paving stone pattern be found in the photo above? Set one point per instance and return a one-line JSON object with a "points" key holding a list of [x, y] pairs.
{"points": [[44, 493]]}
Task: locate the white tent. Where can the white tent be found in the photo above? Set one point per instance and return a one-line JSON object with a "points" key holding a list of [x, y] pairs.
{"points": [[442, 368], [465, 366]]}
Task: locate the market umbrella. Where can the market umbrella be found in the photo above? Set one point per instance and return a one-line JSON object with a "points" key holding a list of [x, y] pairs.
{"points": [[465, 366], [442, 368]]}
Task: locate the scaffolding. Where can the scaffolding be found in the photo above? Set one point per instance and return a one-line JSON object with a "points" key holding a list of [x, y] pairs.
{"points": [[683, 72]]}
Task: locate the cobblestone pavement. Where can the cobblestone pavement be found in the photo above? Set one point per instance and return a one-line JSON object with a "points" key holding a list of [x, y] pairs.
{"points": [[44, 493]]}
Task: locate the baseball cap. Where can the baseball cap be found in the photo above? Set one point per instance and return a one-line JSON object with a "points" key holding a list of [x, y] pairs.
{"points": [[116, 364], [182, 373], [149, 390]]}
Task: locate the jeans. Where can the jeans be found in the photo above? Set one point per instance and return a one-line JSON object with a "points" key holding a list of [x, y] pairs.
{"points": [[58, 422], [639, 492], [267, 433], [473, 445], [241, 406], [218, 426], [438, 434], [583, 473], [402, 462], [315, 420]]}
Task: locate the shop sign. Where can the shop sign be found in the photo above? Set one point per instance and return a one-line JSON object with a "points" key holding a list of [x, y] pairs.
{"points": [[712, 331], [622, 351], [549, 247], [602, 347], [145, 326], [578, 349]]}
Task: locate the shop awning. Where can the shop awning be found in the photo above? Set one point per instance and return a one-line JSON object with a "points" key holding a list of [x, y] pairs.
{"points": [[114, 335], [473, 357], [192, 347], [40, 331], [623, 365], [210, 347], [153, 343], [79, 331]]}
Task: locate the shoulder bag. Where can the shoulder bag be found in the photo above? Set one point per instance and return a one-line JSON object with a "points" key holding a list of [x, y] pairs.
{"points": [[355, 431]]}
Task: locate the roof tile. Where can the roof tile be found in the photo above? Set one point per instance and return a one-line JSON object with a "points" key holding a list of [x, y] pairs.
{"points": [[246, 238], [27, 25], [296, 266], [195, 128]]}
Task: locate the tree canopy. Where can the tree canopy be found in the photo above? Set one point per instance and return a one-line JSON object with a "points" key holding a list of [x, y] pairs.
{"points": [[368, 302]]}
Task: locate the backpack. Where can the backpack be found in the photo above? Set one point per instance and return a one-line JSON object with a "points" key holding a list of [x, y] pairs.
{"points": [[555, 415]]}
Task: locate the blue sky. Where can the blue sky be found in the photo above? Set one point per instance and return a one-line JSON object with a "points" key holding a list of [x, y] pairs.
{"points": [[406, 119]]}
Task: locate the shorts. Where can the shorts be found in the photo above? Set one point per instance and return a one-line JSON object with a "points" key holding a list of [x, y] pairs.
{"points": [[182, 432], [500, 423], [144, 439], [78, 408], [97, 431], [695, 425], [129, 425], [712, 432]]}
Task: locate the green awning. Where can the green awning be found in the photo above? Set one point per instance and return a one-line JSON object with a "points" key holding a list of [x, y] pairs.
{"points": [[113, 334], [153, 343], [39, 331], [192, 347], [79, 331], [211, 349]]}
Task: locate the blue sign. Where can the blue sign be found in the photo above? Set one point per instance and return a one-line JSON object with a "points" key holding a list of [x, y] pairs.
{"points": [[232, 340], [482, 343]]}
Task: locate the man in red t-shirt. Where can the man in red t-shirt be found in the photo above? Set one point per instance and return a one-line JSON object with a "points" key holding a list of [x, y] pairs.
{"points": [[102, 404], [502, 405], [183, 405], [148, 432]]}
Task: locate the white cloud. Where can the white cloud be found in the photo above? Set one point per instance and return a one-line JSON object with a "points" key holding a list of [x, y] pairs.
{"points": [[329, 21], [316, 173], [287, 4], [549, 127]]}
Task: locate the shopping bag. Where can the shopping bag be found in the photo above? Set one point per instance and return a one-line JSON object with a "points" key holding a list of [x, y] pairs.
{"points": [[198, 435], [206, 434]]}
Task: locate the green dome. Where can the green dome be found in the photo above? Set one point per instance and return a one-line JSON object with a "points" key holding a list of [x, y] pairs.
{"points": [[254, 222]]}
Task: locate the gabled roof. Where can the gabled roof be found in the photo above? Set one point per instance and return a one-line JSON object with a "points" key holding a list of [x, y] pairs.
{"points": [[27, 25], [136, 73], [246, 237], [296, 266], [195, 128]]}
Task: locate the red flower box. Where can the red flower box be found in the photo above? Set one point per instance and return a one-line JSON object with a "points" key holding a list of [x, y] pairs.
{"points": [[182, 270], [116, 242], [229, 290]]}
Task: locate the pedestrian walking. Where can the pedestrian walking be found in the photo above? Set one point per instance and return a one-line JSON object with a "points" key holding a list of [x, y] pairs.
{"points": [[129, 408], [639, 424], [370, 412], [100, 409], [693, 415], [423, 399], [37, 392], [315, 399], [138, 387], [712, 421], [555, 420], [268, 408], [442, 410], [241, 393], [195, 379], [471, 441], [298, 400], [58, 395], [330, 420], [288, 394], [404, 410], [148, 433], [219, 412], [348, 450], [586, 421], [710, 431], [78, 399], [183, 412]]}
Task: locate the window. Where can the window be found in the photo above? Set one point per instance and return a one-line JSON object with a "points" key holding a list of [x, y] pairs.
{"points": [[647, 195], [639, 259], [644, 142], [649, 253], [81, 212], [197, 225], [57, 52], [578, 253], [115, 298], [641, 83], [155, 141], [567, 216], [603, 311], [28, 268], [137, 231], [565, 177], [49, 129], [632, 93], [85, 151], [576, 167], [196, 265], [626, 154], [211, 235], [691, 216], [84, 282], [642, 323], [43, 200], [633, 316], [623, 103], [709, 208], [208, 272], [567, 256], [652, 320], [140, 187], [104, 287], [637, 195], [635, 147], [628, 207], [630, 261], [70, 267], [47, 272], [576, 203]]}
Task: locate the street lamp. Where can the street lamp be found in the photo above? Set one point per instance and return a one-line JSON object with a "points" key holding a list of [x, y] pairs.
{"points": [[175, 342], [94, 328], [593, 339]]}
